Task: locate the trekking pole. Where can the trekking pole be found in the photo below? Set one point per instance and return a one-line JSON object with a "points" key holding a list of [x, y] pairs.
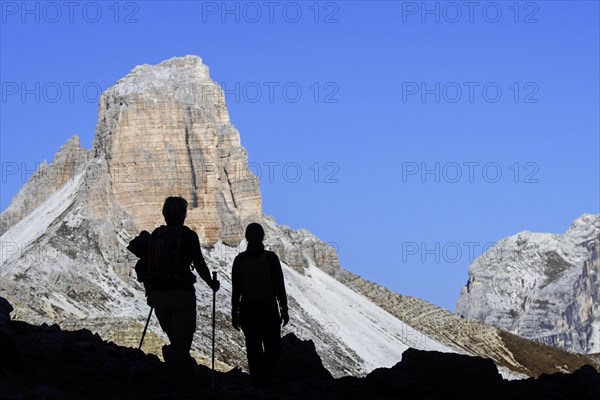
{"points": [[137, 353], [212, 379]]}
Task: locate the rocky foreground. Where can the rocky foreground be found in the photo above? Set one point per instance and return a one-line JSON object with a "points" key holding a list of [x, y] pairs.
{"points": [[45, 362]]}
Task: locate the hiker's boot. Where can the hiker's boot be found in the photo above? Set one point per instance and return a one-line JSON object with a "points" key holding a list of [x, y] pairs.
{"points": [[185, 377], [167, 354]]}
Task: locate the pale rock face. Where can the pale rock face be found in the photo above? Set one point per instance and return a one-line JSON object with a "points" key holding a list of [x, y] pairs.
{"points": [[161, 132], [70, 160], [541, 286], [165, 130]]}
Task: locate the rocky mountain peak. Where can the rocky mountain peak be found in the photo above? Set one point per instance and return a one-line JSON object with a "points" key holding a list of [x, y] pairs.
{"points": [[584, 229], [70, 159], [541, 286], [164, 130], [180, 78]]}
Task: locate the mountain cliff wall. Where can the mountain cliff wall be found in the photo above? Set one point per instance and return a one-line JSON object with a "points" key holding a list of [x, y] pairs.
{"points": [[541, 286]]}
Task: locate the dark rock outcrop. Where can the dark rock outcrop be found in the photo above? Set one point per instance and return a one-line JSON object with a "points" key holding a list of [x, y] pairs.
{"points": [[5, 309], [300, 361], [45, 362], [439, 374]]}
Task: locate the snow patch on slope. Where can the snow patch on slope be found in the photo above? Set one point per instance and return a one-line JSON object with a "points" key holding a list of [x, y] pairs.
{"points": [[375, 335], [35, 224]]}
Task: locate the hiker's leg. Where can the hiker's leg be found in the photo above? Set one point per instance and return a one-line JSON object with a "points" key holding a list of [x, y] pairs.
{"points": [[272, 340], [254, 353], [250, 324], [183, 320], [161, 302], [183, 324], [271, 336]]}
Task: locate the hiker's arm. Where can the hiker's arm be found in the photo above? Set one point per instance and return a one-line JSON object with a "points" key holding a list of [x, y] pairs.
{"points": [[235, 294], [235, 286], [279, 283], [199, 263]]}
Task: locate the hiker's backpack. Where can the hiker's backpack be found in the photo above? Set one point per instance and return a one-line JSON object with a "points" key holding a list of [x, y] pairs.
{"points": [[256, 278], [139, 247], [166, 266]]}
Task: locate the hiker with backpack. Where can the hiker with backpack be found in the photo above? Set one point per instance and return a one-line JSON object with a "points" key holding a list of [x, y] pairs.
{"points": [[165, 267], [259, 305]]}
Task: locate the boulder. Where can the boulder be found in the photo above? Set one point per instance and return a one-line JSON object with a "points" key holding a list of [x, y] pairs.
{"points": [[5, 309]]}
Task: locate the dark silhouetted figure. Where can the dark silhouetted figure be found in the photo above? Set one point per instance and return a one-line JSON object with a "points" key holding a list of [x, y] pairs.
{"points": [[258, 297], [166, 271]]}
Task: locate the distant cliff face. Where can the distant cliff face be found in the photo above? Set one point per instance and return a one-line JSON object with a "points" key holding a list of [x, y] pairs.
{"points": [[69, 161], [541, 286], [165, 129]]}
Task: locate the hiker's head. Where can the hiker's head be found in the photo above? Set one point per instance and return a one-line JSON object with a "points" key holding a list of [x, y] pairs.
{"points": [[174, 210], [255, 233]]}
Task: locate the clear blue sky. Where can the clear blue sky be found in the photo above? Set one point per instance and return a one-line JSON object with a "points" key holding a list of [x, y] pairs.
{"points": [[388, 90]]}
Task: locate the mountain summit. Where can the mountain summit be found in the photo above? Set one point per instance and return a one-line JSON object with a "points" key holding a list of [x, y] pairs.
{"points": [[164, 130], [168, 124], [541, 286]]}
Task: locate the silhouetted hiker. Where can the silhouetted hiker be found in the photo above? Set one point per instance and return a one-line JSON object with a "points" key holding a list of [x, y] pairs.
{"points": [[258, 297], [166, 257]]}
